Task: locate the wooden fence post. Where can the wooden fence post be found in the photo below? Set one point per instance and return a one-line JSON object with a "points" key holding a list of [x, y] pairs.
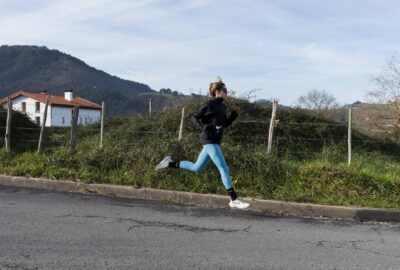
{"points": [[150, 106], [43, 124], [74, 123], [271, 127], [103, 110], [8, 126], [181, 127], [349, 136]]}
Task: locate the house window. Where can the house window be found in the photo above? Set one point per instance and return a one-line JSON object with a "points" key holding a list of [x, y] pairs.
{"points": [[23, 106], [90, 120], [63, 120], [37, 107], [37, 120], [80, 121]]}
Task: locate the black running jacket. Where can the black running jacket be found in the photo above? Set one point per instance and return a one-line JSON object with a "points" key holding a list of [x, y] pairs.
{"points": [[212, 120]]}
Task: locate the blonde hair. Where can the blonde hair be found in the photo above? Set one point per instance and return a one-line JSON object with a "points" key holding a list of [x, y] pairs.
{"points": [[216, 86]]}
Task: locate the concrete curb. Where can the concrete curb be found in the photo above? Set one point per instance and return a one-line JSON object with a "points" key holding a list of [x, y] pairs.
{"points": [[210, 200]]}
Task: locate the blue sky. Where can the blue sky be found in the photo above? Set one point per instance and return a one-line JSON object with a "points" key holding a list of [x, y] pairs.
{"points": [[283, 48]]}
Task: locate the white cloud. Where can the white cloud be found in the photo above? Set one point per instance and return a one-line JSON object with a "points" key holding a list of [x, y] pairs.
{"points": [[281, 46], [332, 62]]}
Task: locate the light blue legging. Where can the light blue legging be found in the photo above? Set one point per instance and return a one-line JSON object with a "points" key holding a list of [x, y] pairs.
{"points": [[210, 152]]}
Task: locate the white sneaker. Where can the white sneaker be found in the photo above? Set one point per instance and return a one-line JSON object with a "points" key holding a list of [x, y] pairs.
{"points": [[164, 163], [238, 204]]}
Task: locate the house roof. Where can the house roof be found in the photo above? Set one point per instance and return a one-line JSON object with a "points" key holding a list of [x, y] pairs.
{"points": [[54, 100]]}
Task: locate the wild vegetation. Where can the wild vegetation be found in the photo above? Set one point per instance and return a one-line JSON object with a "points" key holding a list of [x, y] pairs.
{"points": [[308, 162]]}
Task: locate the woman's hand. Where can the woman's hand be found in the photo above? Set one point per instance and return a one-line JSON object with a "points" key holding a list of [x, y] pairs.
{"points": [[231, 118], [234, 115]]}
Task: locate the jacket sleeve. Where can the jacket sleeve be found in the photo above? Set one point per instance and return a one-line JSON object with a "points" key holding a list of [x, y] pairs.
{"points": [[231, 118], [199, 115]]}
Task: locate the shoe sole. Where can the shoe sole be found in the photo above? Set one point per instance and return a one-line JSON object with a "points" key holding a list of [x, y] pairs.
{"points": [[243, 208], [162, 164]]}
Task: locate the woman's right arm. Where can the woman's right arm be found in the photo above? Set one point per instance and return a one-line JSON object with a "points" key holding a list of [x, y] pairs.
{"points": [[199, 115]]}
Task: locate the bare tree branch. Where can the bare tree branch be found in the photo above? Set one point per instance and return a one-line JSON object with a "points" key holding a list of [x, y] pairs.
{"points": [[319, 100], [386, 90]]}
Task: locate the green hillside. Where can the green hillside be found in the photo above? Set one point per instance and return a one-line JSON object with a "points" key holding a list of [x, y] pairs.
{"points": [[23, 131], [308, 163]]}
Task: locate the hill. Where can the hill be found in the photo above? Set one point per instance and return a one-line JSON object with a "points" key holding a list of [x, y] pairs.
{"points": [[308, 162], [373, 119], [34, 68]]}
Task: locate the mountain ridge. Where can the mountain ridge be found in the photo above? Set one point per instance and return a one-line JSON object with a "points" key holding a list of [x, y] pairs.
{"points": [[37, 68]]}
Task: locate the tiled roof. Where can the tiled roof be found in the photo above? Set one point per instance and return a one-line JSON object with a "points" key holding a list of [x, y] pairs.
{"points": [[55, 100]]}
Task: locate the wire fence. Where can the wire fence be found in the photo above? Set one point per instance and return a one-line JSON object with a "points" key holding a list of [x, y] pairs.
{"points": [[285, 133]]}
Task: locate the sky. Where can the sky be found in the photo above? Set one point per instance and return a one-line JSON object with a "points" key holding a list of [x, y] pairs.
{"points": [[268, 48]]}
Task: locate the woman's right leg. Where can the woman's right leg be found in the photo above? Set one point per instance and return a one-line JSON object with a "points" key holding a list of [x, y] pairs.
{"points": [[201, 162], [215, 154]]}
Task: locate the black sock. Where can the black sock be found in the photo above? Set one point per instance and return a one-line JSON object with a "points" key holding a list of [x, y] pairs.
{"points": [[174, 164], [232, 193]]}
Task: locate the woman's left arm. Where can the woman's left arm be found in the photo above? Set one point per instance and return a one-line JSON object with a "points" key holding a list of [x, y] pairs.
{"points": [[231, 118]]}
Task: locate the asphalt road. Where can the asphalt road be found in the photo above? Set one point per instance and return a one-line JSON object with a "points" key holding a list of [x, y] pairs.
{"points": [[55, 230]]}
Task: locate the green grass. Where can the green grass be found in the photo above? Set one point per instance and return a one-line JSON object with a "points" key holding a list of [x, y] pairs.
{"points": [[302, 171]]}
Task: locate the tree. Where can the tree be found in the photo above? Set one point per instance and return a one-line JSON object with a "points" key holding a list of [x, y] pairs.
{"points": [[165, 91], [386, 91], [318, 100]]}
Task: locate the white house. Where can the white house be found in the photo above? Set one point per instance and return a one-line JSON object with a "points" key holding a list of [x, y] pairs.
{"points": [[59, 111]]}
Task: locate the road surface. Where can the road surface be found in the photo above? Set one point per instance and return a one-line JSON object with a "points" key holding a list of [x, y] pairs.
{"points": [[56, 230]]}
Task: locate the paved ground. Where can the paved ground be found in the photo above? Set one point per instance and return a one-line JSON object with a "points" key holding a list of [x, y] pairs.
{"points": [[53, 230]]}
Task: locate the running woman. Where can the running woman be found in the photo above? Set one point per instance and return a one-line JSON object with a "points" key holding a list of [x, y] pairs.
{"points": [[212, 120]]}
